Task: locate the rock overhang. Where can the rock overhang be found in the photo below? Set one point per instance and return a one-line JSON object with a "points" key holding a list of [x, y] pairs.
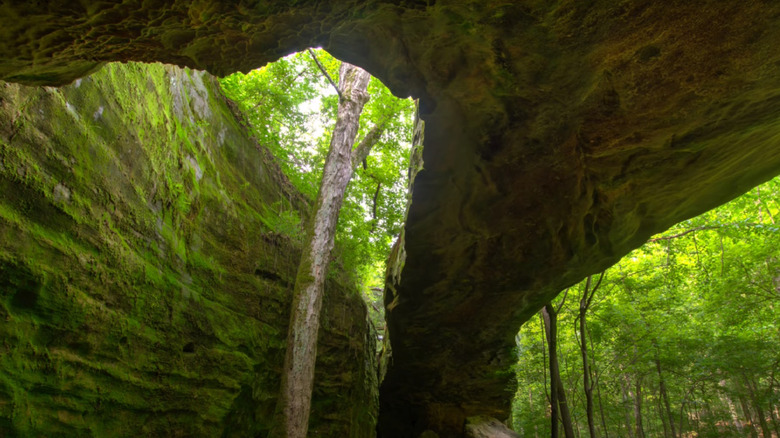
{"points": [[559, 136]]}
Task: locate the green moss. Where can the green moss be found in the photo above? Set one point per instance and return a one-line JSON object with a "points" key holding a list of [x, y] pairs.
{"points": [[136, 220]]}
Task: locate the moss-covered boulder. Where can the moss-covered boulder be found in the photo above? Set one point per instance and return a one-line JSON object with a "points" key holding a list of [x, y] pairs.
{"points": [[144, 280]]}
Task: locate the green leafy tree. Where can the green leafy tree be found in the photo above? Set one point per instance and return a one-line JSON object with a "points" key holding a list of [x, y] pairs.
{"points": [[682, 334], [367, 237]]}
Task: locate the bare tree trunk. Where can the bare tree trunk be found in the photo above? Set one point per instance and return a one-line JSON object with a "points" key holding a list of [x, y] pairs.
{"points": [[568, 426], [625, 392], [748, 417], [662, 416], [733, 412], [601, 410], [598, 392], [775, 421], [770, 393], [557, 392], [640, 431], [664, 395], [752, 388], [587, 298], [298, 373], [551, 332]]}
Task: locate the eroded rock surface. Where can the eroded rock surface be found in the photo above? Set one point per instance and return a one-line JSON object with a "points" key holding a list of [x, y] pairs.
{"points": [[486, 427], [144, 286], [559, 135]]}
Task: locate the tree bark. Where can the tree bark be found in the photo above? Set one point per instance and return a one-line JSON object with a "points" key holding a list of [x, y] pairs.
{"points": [[601, 406], [640, 431], [754, 397], [587, 298], [551, 333], [733, 412], [298, 374], [625, 392], [557, 392], [662, 416], [751, 424], [664, 395]]}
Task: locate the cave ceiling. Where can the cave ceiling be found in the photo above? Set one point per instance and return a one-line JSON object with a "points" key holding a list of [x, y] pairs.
{"points": [[559, 135]]}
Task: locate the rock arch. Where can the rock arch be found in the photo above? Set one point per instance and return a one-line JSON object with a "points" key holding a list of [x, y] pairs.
{"points": [[559, 135]]}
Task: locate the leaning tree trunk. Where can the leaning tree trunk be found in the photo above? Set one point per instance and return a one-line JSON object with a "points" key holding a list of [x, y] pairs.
{"points": [[298, 373]]}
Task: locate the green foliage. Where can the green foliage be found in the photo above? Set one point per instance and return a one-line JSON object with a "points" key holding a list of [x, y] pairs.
{"points": [[140, 291], [291, 108], [281, 218], [700, 302]]}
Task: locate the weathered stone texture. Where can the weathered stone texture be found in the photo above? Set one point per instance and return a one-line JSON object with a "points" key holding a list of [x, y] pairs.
{"points": [[559, 135], [143, 288]]}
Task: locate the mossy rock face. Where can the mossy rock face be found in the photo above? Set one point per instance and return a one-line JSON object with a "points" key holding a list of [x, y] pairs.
{"points": [[559, 136], [142, 289]]}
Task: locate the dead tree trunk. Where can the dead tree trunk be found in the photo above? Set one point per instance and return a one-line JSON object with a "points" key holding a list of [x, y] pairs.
{"points": [[298, 373]]}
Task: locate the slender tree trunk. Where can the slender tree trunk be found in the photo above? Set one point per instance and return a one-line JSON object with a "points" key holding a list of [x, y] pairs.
{"points": [[775, 421], [596, 383], [748, 417], [601, 410], [551, 333], [586, 374], [568, 426], [624, 386], [298, 373], [765, 432], [661, 415], [587, 297], [733, 412], [665, 395], [770, 393], [640, 431], [550, 317]]}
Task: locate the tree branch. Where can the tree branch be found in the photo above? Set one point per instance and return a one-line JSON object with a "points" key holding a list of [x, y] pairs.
{"points": [[595, 288], [674, 236], [364, 148], [563, 301], [373, 211], [325, 72], [287, 85]]}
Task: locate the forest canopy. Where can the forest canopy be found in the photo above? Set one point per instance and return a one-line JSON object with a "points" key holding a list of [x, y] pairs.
{"points": [[291, 108], [682, 336]]}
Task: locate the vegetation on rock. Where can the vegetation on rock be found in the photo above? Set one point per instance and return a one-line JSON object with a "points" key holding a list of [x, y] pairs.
{"points": [[144, 278], [291, 108], [682, 336], [343, 157]]}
